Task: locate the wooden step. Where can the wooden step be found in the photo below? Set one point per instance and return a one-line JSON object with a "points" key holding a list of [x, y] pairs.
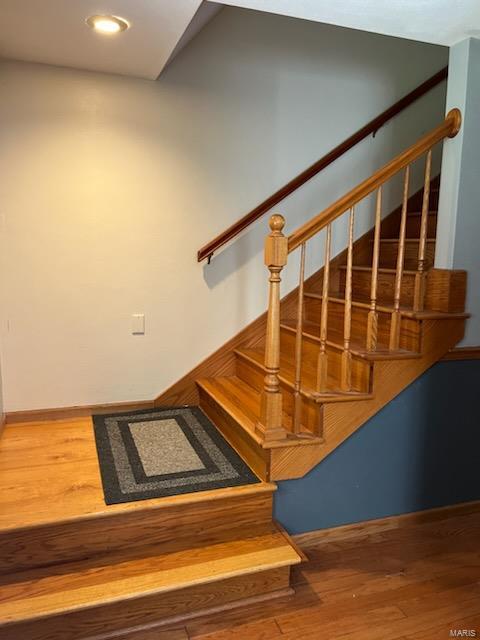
{"points": [[85, 599], [255, 375], [242, 402], [410, 329], [234, 408], [362, 278], [250, 368], [382, 352], [310, 351], [53, 511], [389, 253]]}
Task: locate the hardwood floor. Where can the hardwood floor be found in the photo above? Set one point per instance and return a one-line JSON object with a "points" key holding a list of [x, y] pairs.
{"points": [[416, 582], [49, 473]]}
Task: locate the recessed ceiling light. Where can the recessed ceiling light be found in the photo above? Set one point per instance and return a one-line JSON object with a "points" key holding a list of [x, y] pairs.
{"points": [[107, 24]]}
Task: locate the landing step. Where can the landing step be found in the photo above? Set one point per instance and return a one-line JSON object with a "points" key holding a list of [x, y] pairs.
{"points": [[82, 599], [52, 508]]}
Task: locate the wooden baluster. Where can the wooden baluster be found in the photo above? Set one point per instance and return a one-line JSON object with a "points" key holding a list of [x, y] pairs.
{"points": [[395, 320], [346, 366], [372, 322], [419, 292], [297, 397], [270, 426], [322, 364]]}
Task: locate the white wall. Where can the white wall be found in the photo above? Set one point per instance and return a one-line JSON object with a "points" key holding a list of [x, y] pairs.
{"points": [[110, 185], [459, 220]]}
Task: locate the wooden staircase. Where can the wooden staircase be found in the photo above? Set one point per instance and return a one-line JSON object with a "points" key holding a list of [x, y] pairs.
{"points": [[353, 335], [285, 394]]}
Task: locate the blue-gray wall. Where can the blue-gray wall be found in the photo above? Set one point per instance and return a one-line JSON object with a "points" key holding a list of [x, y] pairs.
{"points": [[420, 451]]}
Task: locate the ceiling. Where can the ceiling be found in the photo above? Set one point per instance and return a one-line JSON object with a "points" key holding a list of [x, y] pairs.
{"points": [[54, 32], [442, 22]]}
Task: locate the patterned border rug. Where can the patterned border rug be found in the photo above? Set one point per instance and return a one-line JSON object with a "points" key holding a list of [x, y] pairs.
{"points": [[160, 452]]}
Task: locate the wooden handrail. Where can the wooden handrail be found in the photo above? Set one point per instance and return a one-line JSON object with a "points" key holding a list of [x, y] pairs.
{"points": [[370, 128], [448, 128]]}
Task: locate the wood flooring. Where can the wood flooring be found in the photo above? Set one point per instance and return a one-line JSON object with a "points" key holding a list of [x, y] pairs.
{"points": [[416, 582]]}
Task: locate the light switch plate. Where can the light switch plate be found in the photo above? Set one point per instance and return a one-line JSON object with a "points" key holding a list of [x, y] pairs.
{"points": [[138, 324]]}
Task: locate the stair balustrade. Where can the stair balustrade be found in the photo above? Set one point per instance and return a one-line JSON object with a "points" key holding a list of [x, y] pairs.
{"points": [[271, 425]]}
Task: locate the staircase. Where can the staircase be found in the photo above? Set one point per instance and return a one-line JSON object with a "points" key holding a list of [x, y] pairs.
{"points": [[351, 337], [285, 394]]}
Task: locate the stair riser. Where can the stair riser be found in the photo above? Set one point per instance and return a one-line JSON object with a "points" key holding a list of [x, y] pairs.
{"points": [[389, 253], [152, 609], [171, 527], [434, 198], [252, 453], [254, 375], [414, 224], [361, 285], [409, 329], [310, 351]]}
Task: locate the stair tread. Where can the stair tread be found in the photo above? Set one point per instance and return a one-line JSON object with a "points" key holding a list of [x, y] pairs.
{"points": [[335, 337], [431, 212], [287, 373], [63, 482], [35, 594], [365, 267], [364, 301], [242, 402], [407, 240]]}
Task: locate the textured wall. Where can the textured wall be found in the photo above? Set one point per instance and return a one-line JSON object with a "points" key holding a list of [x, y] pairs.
{"points": [[110, 185], [420, 451]]}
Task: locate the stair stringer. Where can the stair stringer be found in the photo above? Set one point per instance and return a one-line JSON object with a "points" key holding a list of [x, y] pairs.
{"points": [[390, 377]]}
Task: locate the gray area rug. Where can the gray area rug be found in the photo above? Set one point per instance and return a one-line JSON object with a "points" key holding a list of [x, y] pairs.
{"points": [[160, 452]]}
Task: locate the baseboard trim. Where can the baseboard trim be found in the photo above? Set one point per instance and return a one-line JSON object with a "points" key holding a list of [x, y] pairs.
{"points": [[63, 413], [463, 353], [369, 527]]}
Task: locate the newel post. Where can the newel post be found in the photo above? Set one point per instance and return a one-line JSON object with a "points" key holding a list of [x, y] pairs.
{"points": [[270, 426]]}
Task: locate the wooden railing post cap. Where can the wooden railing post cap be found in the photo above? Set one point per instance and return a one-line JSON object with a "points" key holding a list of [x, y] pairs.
{"points": [[455, 115], [276, 244], [276, 223]]}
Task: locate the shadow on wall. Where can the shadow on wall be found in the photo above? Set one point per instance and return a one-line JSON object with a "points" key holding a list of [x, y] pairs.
{"points": [[229, 259], [421, 451], [331, 184]]}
